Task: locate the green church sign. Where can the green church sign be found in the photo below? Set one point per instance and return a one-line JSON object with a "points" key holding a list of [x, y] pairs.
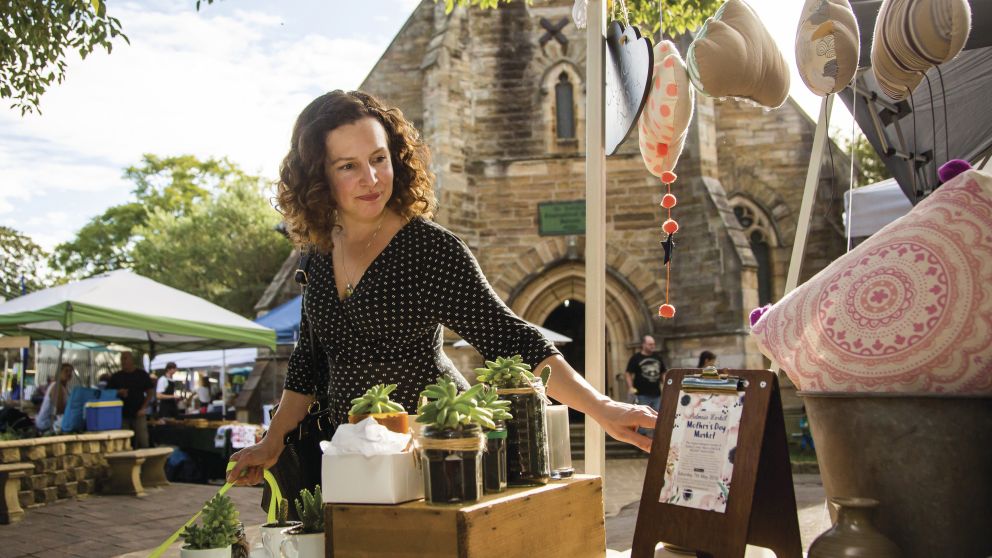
{"points": [[561, 218]]}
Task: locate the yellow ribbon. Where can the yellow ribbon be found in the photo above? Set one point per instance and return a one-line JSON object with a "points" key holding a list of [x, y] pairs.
{"points": [[273, 502]]}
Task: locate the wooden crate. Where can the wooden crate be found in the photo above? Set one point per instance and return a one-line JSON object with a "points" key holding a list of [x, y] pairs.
{"points": [[563, 519]]}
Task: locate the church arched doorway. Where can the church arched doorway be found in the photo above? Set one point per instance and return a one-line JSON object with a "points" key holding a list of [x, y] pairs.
{"points": [[541, 300]]}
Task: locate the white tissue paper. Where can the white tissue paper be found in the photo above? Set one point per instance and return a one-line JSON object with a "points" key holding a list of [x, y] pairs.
{"points": [[365, 463], [368, 438]]}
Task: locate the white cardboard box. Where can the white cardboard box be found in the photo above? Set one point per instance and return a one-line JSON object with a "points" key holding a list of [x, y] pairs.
{"points": [[378, 479]]}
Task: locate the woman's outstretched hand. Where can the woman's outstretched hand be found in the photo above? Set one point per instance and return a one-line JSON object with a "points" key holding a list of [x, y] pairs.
{"points": [[621, 420], [251, 462]]}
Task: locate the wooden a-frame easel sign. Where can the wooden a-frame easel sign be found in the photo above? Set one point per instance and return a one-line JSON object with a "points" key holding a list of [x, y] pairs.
{"points": [[758, 507]]}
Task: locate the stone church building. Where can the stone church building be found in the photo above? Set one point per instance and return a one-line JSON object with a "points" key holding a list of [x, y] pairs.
{"points": [[499, 96]]}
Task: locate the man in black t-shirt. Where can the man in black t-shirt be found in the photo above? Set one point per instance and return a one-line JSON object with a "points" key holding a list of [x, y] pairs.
{"points": [[136, 389], [644, 370]]}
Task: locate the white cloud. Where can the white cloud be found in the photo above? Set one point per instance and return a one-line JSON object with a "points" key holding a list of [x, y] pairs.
{"points": [[204, 83]]}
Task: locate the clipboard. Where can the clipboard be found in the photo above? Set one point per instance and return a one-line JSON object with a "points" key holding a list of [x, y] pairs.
{"points": [[760, 504]]}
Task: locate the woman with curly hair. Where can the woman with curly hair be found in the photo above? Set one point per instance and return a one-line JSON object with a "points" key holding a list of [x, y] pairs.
{"points": [[383, 278]]}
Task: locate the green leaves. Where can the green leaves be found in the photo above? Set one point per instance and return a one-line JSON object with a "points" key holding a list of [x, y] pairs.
{"points": [[219, 525], [204, 227], [488, 398], [376, 400], [310, 509], [19, 255], [680, 15], [447, 409], [35, 37], [506, 373]]}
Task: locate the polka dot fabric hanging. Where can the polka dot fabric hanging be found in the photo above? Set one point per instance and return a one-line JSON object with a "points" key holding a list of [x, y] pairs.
{"points": [[662, 130]]}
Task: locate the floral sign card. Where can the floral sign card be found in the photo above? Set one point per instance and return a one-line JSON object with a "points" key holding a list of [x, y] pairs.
{"points": [[701, 456]]}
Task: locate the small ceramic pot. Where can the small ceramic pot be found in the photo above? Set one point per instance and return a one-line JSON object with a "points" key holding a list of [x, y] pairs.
{"points": [[308, 545], [853, 534], [272, 536], [396, 422], [224, 552]]}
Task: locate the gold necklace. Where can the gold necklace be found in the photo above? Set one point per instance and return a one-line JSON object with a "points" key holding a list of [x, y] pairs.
{"points": [[349, 288]]}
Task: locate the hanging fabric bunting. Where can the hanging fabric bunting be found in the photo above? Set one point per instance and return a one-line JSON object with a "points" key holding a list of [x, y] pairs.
{"points": [[662, 129], [827, 46], [734, 55], [628, 80], [913, 36]]}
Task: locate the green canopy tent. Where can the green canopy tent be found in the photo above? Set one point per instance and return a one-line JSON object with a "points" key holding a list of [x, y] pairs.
{"points": [[128, 309]]}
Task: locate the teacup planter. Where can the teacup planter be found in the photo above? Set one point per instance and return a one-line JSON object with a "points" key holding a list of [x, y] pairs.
{"points": [[376, 404], [272, 533], [527, 458], [305, 540], [452, 442], [217, 533]]}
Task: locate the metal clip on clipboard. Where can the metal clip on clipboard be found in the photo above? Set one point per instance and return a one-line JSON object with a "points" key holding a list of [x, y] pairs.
{"points": [[711, 380]]}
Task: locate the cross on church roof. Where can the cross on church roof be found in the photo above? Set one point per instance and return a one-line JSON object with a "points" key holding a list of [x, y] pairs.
{"points": [[553, 31]]}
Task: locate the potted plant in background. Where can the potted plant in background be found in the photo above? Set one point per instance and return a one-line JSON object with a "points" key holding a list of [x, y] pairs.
{"points": [[494, 459], [306, 540], [217, 532], [376, 403], [272, 533], [527, 432], [452, 442]]}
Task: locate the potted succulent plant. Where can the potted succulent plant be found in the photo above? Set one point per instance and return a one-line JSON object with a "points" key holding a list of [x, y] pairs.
{"points": [[527, 432], [272, 533], [494, 459], [306, 540], [376, 403], [452, 442], [217, 532]]}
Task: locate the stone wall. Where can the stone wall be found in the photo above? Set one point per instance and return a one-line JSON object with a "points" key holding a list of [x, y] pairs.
{"points": [[764, 155], [66, 467]]}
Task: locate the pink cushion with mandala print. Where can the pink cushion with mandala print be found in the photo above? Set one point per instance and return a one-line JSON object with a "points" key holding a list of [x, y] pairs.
{"points": [[909, 310]]}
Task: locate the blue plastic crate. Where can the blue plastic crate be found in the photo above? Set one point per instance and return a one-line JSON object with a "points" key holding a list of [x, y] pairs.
{"points": [[103, 415]]}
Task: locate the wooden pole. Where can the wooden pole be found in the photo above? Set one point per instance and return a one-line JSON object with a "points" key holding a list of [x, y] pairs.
{"points": [[595, 454], [809, 194]]}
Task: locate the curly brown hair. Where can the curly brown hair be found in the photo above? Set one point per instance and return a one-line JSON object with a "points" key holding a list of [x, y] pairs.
{"points": [[304, 193]]}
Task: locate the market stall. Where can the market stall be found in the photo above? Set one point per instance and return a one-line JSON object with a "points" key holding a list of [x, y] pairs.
{"points": [[127, 309]]}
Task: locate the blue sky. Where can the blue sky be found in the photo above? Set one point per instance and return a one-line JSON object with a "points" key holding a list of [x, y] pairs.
{"points": [[227, 81]]}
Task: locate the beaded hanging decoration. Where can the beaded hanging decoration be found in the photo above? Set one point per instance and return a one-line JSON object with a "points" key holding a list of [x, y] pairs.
{"points": [[662, 129]]}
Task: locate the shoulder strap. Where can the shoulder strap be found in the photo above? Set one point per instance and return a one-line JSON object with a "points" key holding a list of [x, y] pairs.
{"points": [[303, 267], [302, 278]]}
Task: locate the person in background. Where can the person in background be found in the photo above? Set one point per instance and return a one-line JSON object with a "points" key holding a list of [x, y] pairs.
{"points": [[137, 390], [203, 395], [706, 358], [165, 392], [644, 370], [56, 397], [39, 393]]}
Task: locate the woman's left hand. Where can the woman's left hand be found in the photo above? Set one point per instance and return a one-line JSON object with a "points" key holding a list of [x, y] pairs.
{"points": [[621, 420]]}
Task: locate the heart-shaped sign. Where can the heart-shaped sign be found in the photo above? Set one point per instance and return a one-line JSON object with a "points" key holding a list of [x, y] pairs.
{"points": [[629, 61]]}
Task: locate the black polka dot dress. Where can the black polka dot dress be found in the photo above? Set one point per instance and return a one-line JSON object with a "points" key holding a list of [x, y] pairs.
{"points": [[389, 330]]}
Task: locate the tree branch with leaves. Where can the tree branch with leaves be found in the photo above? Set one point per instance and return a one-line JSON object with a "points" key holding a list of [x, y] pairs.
{"points": [[37, 35]]}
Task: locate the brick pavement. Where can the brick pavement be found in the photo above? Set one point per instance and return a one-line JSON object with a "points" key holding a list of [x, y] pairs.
{"points": [[129, 527], [100, 526]]}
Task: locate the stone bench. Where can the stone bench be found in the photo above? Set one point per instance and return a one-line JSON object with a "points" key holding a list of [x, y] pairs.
{"points": [[10, 482], [132, 471]]}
